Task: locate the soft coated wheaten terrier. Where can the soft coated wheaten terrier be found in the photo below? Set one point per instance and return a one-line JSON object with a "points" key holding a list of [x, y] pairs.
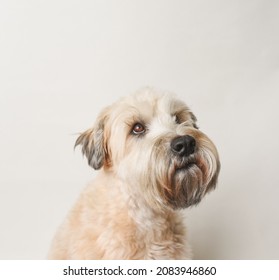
{"points": [[153, 161]]}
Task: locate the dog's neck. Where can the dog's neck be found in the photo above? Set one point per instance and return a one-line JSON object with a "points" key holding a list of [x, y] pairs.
{"points": [[143, 215], [154, 226], [146, 218]]}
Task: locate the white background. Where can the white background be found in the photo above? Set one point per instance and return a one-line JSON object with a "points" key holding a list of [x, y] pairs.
{"points": [[61, 61]]}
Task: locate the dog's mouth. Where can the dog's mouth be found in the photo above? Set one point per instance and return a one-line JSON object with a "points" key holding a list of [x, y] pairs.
{"points": [[190, 164], [187, 166]]}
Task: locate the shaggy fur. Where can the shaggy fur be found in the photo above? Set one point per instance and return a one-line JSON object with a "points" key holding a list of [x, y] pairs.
{"points": [[154, 162]]}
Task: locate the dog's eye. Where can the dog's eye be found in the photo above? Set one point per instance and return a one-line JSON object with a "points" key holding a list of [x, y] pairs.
{"points": [[138, 128]]}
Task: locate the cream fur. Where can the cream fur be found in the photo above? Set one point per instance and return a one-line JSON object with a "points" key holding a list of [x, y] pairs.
{"points": [[133, 209]]}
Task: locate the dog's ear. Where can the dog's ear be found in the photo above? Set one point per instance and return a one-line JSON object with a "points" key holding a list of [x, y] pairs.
{"points": [[194, 120], [93, 142]]}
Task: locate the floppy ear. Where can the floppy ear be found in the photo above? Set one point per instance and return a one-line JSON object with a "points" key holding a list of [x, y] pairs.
{"points": [[194, 119], [93, 143]]}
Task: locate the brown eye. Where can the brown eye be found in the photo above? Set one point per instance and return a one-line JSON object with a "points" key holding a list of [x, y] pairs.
{"points": [[138, 128]]}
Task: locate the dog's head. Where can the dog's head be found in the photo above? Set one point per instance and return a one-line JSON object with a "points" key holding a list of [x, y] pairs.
{"points": [[151, 142]]}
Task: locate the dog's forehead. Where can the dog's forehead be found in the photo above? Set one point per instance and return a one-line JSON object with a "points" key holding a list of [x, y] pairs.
{"points": [[169, 104], [150, 104]]}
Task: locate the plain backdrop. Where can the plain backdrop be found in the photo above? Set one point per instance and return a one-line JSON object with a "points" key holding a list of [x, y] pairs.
{"points": [[61, 61]]}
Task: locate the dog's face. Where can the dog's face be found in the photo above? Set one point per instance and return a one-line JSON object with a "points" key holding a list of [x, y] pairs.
{"points": [[151, 142]]}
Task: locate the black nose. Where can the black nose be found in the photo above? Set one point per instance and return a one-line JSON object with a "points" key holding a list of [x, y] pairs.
{"points": [[183, 145]]}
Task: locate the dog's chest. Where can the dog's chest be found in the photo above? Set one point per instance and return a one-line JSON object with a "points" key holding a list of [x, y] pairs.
{"points": [[134, 243]]}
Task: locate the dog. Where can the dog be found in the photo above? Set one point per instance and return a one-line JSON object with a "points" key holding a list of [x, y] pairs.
{"points": [[153, 162]]}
